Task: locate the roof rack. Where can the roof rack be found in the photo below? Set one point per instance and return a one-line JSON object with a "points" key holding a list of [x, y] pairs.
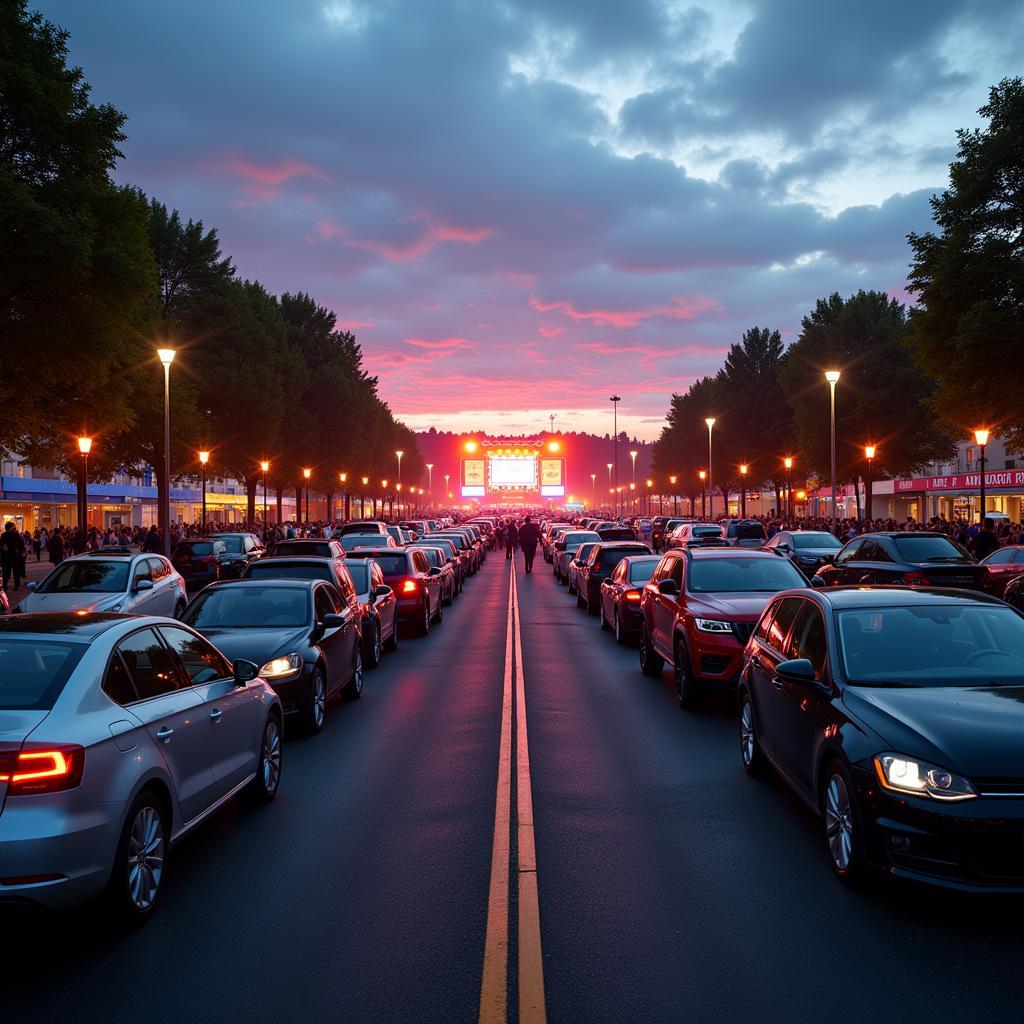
{"points": [[112, 549]]}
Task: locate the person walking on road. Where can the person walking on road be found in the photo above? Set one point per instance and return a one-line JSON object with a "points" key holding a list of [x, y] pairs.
{"points": [[152, 544], [12, 554], [511, 539], [529, 537]]}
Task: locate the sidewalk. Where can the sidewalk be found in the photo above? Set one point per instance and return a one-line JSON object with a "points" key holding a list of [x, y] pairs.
{"points": [[34, 572]]}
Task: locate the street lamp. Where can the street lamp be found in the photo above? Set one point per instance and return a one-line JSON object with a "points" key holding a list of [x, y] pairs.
{"points": [[788, 463], [710, 421], [447, 492], [633, 456], [593, 489], [832, 376], [650, 484], [265, 467], [166, 358], [399, 453], [615, 399], [869, 454], [981, 436], [703, 504], [743, 490], [306, 474], [84, 447], [343, 477], [430, 480], [675, 497], [362, 500], [204, 458]]}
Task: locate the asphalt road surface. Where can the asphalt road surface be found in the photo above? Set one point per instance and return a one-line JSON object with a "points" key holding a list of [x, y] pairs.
{"points": [[671, 886]]}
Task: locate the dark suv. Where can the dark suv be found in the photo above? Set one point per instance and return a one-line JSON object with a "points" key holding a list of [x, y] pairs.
{"points": [[598, 567], [223, 556], [698, 609], [744, 533], [916, 559]]}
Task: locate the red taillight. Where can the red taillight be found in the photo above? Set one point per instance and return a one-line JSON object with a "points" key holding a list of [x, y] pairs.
{"points": [[410, 586], [632, 595], [916, 579], [45, 770]]}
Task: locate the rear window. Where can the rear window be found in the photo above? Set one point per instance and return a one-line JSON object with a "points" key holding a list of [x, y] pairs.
{"points": [[362, 540], [33, 672], [616, 534], [232, 545], [803, 541], [194, 547], [304, 547], [359, 571], [708, 531], [929, 547], [612, 557], [748, 531], [743, 575], [392, 565], [271, 569]]}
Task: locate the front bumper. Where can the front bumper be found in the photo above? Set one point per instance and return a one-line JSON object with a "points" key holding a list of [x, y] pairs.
{"points": [[716, 657]]}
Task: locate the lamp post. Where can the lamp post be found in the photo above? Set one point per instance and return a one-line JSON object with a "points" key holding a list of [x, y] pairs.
{"points": [[633, 456], [981, 436], [84, 447], [632, 499], [447, 491], [743, 490], [869, 454], [675, 496], [347, 498], [650, 501], [703, 504], [265, 467], [166, 358], [832, 376], [710, 421], [788, 463], [430, 481], [204, 458], [615, 399], [362, 497], [384, 498], [306, 474], [593, 489]]}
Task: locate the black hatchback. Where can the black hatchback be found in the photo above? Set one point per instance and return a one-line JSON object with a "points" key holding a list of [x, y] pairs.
{"points": [[897, 714], [916, 559], [223, 556]]}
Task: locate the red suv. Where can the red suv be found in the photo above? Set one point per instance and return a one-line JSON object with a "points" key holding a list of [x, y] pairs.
{"points": [[698, 609]]}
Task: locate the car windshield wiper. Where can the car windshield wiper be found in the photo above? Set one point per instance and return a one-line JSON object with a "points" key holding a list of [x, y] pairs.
{"points": [[889, 684]]}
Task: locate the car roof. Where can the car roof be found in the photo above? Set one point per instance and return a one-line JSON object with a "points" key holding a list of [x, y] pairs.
{"points": [[114, 554], [80, 628], [882, 596], [727, 552], [297, 560], [274, 582]]}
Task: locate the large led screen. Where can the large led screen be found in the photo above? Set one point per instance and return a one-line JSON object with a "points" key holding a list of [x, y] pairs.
{"points": [[512, 470]]}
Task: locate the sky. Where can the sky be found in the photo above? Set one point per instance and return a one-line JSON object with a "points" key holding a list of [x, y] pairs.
{"points": [[521, 207]]}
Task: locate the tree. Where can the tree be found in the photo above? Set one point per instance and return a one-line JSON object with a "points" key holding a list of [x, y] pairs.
{"points": [[880, 398], [682, 449], [968, 331], [76, 273]]}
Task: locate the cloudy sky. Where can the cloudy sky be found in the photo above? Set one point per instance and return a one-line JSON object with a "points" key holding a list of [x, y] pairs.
{"points": [[521, 206]]}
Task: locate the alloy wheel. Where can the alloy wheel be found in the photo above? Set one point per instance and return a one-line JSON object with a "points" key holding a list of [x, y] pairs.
{"points": [[747, 733], [839, 822], [145, 857], [618, 627], [271, 762], [319, 700]]}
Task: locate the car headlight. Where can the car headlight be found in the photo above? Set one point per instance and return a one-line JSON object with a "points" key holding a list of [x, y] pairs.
{"points": [[713, 626], [904, 774], [278, 668]]}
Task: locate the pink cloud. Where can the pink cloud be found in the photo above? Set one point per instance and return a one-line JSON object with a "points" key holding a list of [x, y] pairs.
{"points": [[262, 182], [431, 235], [351, 325], [550, 332], [647, 356], [440, 344], [682, 308]]}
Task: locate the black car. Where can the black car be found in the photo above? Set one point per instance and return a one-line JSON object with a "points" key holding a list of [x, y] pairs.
{"points": [[302, 633], [897, 714], [808, 550], [223, 556], [744, 533], [598, 567], [321, 548], [917, 559], [610, 533]]}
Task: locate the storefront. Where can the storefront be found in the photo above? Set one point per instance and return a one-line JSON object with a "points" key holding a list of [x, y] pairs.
{"points": [[958, 495]]}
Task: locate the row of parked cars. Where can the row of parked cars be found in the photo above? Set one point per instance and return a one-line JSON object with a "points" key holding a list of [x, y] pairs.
{"points": [[129, 713], [882, 679]]}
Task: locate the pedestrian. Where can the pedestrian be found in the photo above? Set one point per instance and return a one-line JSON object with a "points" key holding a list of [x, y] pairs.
{"points": [[152, 544], [12, 555], [985, 541], [56, 547], [511, 539], [529, 537]]}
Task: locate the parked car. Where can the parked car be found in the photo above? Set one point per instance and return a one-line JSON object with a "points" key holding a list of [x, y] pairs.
{"points": [[302, 633], [697, 612], [598, 568], [662, 527], [109, 580], [915, 559], [1004, 565], [566, 547], [377, 541], [320, 548], [416, 584], [458, 560], [610, 533], [438, 559], [546, 537], [379, 607], [686, 534], [620, 596], [744, 533], [118, 735], [360, 526], [576, 563], [896, 714], [808, 550], [205, 560]]}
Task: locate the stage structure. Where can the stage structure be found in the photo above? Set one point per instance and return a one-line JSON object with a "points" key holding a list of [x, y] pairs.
{"points": [[513, 470]]}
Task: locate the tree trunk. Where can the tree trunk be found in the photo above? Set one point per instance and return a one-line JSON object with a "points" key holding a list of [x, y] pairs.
{"points": [[251, 483], [330, 507], [298, 504], [280, 505]]}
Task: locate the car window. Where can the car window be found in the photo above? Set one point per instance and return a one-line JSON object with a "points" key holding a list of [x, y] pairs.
{"points": [[203, 663], [250, 544], [1000, 557], [241, 607], [149, 664], [86, 575], [761, 632], [157, 569], [117, 684], [142, 571], [675, 572], [640, 571], [929, 547], [33, 672], [850, 552], [809, 638], [345, 584], [620, 572], [323, 602], [782, 620]]}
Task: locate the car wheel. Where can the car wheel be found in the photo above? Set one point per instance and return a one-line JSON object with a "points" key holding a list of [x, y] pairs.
{"points": [[353, 689], [392, 641], [447, 602], [371, 656], [590, 605], [620, 636], [439, 617], [754, 762], [179, 608], [137, 878], [580, 603], [315, 712], [425, 624], [603, 622], [687, 688], [842, 824], [651, 663], [268, 772]]}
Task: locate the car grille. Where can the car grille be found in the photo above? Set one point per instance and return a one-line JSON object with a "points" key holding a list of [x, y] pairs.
{"points": [[742, 631], [999, 787], [997, 856]]}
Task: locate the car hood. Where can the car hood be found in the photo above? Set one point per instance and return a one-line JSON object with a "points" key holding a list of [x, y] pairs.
{"points": [[732, 606], [258, 645], [973, 730], [70, 602]]}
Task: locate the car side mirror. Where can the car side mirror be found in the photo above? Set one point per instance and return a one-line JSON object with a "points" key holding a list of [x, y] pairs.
{"points": [[31, 586], [142, 585], [817, 582], [797, 670], [332, 620], [783, 547], [668, 588], [435, 570], [244, 671], [381, 591]]}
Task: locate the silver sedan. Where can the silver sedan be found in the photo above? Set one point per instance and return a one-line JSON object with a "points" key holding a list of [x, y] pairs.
{"points": [[118, 735]]}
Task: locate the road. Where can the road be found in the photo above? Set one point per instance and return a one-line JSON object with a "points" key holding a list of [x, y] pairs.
{"points": [[671, 886]]}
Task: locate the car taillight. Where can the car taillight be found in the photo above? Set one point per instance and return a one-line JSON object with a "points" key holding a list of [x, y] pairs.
{"points": [[42, 770], [632, 595], [915, 579], [410, 586]]}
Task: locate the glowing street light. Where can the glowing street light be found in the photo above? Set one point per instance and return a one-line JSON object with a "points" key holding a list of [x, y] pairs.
{"points": [[593, 489], [710, 421], [166, 356], [675, 497], [832, 376], [869, 455], [399, 453], [430, 478], [703, 491], [204, 458], [470, 446], [307, 473], [265, 468], [553, 446], [84, 447], [743, 490], [981, 436], [788, 463]]}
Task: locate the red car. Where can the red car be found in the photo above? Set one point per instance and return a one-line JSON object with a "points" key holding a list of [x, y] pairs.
{"points": [[1004, 565], [698, 609]]}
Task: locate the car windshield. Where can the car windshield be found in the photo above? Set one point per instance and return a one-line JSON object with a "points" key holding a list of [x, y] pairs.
{"points": [[932, 645], [198, 548], [278, 569], [392, 565], [233, 545], [360, 573], [930, 547], [575, 539], [90, 575], [321, 548], [33, 672], [748, 531], [742, 575], [244, 607], [803, 541], [640, 572]]}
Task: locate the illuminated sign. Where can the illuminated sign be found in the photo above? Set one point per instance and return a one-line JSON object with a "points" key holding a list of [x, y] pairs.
{"points": [[551, 473], [473, 472], [552, 491], [512, 471], [473, 492]]}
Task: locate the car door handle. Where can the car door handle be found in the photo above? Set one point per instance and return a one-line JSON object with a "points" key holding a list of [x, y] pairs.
{"points": [[777, 683], [215, 714], [164, 734], [756, 661]]}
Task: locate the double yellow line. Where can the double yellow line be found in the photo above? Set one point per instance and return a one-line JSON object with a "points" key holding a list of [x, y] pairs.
{"points": [[530, 974]]}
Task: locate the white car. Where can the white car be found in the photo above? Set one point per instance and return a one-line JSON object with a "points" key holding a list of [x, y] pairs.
{"points": [[110, 580]]}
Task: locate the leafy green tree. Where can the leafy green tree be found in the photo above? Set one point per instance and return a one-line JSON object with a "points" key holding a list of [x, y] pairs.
{"points": [[881, 397], [682, 449], [968, 330]]}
